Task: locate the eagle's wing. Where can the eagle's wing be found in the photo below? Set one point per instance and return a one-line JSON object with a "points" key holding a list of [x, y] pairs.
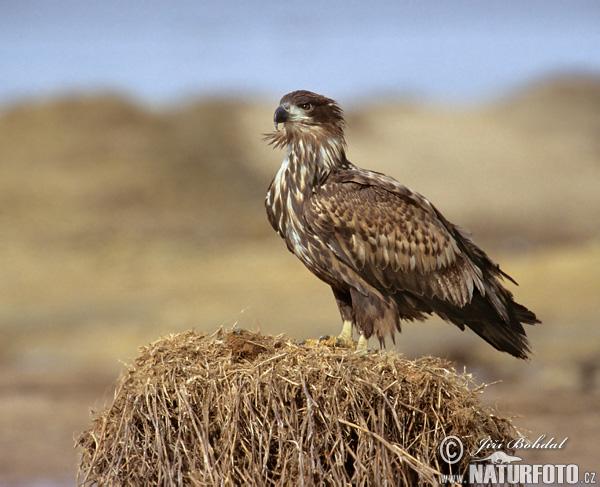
{"points": [[394, 238]]}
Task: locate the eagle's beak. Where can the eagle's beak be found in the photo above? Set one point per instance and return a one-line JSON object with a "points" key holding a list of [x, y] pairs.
{"points": [[281, 115]]}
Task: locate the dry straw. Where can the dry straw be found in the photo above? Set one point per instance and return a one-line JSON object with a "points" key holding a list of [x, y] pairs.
{"points": [[239, 408]]}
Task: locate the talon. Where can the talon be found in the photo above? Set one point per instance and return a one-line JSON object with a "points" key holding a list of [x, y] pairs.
{"points": [[344, 341], [301, 342], [323, 338]]}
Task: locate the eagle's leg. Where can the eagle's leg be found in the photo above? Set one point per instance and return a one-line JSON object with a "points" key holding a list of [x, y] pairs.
{"points": [[361, 346], [346, 333], [344, 302]]}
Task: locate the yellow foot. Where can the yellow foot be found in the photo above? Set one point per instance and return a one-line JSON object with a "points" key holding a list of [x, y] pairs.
{"points": [[332, 342], [323, 340], [344, 340]]}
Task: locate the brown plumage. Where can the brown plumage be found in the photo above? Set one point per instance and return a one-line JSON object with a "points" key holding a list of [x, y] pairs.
{"points": [[385, 250]]}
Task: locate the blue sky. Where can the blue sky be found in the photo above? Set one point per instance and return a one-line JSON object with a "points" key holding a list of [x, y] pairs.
{"points": [[163, 51]]}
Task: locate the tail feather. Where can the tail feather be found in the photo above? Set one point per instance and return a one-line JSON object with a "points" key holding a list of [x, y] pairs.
{"points": [[504, 333]]}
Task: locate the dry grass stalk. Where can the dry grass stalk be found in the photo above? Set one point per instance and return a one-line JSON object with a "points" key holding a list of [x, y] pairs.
{"points": [[241, 408]]}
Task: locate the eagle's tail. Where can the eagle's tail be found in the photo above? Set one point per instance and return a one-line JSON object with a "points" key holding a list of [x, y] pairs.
{"points": [[507, 336], [503, 331]]}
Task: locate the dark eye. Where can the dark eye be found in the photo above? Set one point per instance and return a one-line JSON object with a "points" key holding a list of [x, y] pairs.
{"points": [[306, 106]]}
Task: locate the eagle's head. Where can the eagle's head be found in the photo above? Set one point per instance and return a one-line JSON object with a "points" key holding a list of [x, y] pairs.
{"points": [[307, 117]]}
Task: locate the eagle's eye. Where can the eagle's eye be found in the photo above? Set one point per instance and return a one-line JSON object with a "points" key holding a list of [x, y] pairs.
{"points": [[306, 106]]}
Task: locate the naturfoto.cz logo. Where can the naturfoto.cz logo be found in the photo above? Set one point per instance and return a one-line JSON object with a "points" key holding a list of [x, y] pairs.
{"points": [[500, 467]]}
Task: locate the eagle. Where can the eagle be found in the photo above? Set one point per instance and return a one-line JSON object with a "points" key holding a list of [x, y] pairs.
{"points": [[386, 251]]}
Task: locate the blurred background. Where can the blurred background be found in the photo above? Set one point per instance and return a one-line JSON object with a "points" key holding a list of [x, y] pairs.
{"points": [[133, 175]]}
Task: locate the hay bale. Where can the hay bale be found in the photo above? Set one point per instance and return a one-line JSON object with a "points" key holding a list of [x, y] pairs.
{"points": [[241, 408]]}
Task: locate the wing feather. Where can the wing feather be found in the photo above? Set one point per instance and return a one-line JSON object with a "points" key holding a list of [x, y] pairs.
{"points": [[393, 238]]}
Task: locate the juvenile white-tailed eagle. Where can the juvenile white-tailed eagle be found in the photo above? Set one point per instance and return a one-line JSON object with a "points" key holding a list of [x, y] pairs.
{"points": [[385, 250]]}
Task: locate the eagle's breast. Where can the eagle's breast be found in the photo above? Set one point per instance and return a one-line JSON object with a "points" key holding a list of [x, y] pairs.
{"points": [[285, 207]]}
